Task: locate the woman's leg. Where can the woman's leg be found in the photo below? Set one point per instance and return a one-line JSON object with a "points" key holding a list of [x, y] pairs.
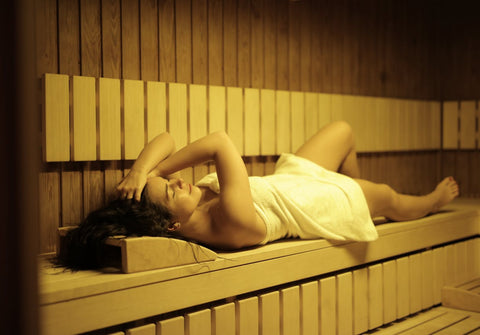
{"points": [[382, 200], [333, 148]]}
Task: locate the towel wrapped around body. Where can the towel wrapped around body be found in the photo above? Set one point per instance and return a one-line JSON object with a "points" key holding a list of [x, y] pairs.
{"points": [[302, 199]]}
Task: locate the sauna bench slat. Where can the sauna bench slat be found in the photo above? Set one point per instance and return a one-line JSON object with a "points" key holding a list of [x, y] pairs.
{"points": [[459, 220]]}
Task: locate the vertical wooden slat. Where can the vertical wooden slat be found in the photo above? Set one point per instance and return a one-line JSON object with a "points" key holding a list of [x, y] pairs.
{"points": [[93, 187], [283, 122], [90, 33], [142, 330], [389, 291], [111, 39], [309, 308], [438, 274], [311, 114], [436, 127], [344, 303], [294, 24], [133, 118], [198, 112], [166, 37], [403, 287], [427, 279], [84, 119], [467, 124], [198, 323], [156, 109], [174, 326], [217, 108], [450, 264], [415, 283], [252, 121], [375, 296], [290, 310], [257, 66], [270, 62], [282, 45], [269, 313], [199, 42], [461, 262], [328, 306], [56, 118], [244, 44], [297, 119], [71, 191], [471, 259], [109, 119], [177, 113], [49, 209], [68, 37], [267, 122], [46, 36], [360, 301], [230, 48], [247, 316], [306, 15], [148, 40], [223, 319], [450, 125], [183, 30], [235, 116], [215, 42], [324, 109]]}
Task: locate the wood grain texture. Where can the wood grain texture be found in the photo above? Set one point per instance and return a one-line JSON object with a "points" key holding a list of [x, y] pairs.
{"points": [[84, 119], [134, 115], [247, 316], [183, 38], [56, 119], [111, 39], [223, 319], [130, 40], [166, 36], [148, 39], [90, 32]]}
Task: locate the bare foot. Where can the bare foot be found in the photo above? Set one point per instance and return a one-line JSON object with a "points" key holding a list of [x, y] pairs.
{"points": [[446, 191]]}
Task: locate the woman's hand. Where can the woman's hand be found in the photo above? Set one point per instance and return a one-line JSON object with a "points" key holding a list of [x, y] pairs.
{"points": [[132, 185]]}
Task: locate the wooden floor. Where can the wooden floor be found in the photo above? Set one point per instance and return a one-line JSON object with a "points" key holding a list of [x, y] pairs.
{"points": [[438, 321]]}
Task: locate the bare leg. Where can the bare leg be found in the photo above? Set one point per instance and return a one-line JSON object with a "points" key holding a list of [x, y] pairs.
{"points": [[384, 201], [333, 148]]}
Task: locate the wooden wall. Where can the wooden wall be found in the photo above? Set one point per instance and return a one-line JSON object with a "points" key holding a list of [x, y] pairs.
{"points": [[375, 48]]}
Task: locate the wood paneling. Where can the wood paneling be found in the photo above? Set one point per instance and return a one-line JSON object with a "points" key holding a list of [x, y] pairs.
{"points": [[392, 49]]}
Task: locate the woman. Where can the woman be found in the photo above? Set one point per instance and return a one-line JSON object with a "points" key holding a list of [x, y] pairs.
{"points": [[313, 193]]}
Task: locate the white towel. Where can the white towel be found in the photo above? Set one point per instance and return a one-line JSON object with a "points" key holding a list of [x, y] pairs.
{"points": [[303, 199]]}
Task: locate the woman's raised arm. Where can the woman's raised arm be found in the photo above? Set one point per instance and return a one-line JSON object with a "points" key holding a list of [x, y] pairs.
{"points": [[157, 150]]}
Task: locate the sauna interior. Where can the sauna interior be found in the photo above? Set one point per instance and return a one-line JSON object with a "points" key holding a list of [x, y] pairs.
{"points": [[270, 73]]}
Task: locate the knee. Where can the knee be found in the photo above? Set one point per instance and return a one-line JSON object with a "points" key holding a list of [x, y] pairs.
{"points": [[344, 129]]}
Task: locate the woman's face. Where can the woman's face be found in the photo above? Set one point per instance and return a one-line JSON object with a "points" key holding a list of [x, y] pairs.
{"points": [[180, 198]]}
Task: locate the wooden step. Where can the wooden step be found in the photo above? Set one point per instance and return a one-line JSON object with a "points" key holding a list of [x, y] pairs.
{"points": [[463, 296]]}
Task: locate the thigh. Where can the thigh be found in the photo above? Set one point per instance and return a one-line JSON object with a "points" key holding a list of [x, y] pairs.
{"points": [[330, 146]]}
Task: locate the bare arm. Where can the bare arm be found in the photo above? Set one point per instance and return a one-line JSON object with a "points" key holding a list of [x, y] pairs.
{"points": [[160, 148]]}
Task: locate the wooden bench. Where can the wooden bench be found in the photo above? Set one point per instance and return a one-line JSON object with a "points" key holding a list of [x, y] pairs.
{"points": [[370, 283]]}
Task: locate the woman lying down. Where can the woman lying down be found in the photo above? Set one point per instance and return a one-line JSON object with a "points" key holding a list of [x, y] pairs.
{"points": [[315, 193]]}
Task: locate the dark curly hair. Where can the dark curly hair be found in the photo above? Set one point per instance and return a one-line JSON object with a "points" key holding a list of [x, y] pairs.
{"points": [[84, 247]]}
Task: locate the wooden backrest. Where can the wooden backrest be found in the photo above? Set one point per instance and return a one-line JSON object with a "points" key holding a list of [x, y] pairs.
{"points": [[88, 119]]}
